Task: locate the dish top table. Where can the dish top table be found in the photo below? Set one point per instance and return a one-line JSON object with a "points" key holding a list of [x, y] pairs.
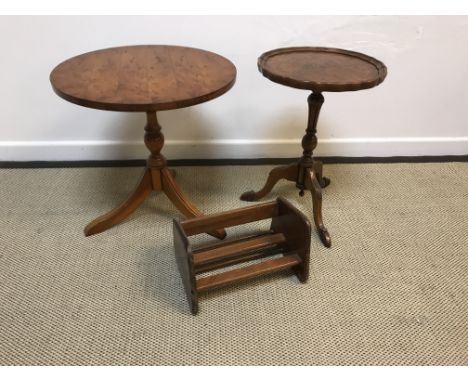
{"points": [[318, 70], [146, 78]]}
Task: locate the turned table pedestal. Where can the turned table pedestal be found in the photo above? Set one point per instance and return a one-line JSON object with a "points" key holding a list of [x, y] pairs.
{"points": [[146, 78], [318, 70]]}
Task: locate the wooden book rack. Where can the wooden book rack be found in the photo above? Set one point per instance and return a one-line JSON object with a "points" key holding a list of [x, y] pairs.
{"points": [[289, 235]]}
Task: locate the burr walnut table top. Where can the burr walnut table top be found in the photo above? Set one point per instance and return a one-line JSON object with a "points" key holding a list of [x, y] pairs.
{"points": [[143, 78], [322, 69]]}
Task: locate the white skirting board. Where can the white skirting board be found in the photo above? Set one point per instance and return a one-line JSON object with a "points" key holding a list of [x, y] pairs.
{"points": [[231, 149]]}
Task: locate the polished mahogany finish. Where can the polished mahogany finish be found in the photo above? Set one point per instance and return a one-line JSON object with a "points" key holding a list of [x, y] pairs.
{"points": [[145, 78], [322, 69], [318, 70], [289, 236]]}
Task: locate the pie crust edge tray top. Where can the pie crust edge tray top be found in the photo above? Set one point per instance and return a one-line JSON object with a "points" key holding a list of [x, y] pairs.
{"points": [[381, 70]]}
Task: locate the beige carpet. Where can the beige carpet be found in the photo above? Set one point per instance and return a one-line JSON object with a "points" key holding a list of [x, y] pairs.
{"points": [[393, 289]]}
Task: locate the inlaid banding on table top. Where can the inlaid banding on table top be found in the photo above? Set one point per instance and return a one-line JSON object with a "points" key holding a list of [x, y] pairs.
{"points": [[322, 69], [143, 78]]}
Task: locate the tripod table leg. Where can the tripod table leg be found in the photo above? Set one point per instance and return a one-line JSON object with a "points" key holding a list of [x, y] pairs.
{"points": [[288, 172], [318, 169], [313, 185], [120, 212]]}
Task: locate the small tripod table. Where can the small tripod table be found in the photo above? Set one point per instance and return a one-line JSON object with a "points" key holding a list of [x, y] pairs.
{"points": [[145, 78], [318, 70]]}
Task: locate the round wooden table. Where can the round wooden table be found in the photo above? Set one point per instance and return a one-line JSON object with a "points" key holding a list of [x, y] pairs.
{"points": [[146, 78], [318, 70]]}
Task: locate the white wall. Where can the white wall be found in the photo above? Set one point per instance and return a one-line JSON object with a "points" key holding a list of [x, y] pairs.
{"points": [[420, 109]]}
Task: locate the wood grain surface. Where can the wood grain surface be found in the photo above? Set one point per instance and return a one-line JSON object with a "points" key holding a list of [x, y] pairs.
{"points": [[143, 78], [322, 69]]}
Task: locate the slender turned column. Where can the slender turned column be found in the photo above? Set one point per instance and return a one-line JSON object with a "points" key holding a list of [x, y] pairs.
{"points": [[154, 141], [309, 141]]}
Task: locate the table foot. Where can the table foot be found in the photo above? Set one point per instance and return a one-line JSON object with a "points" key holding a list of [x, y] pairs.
{"points": [[288, 172], [177, 197], [119, 213], [312, 184]]}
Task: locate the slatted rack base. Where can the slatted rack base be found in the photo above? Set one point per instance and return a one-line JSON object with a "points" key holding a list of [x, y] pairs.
{"points": [[289, 237]]}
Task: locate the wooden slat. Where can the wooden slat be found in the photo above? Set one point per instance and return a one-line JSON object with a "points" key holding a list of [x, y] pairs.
{"points": [[242, 259], [235, 217], [263, 268], [216, 244], [238, 248]]}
